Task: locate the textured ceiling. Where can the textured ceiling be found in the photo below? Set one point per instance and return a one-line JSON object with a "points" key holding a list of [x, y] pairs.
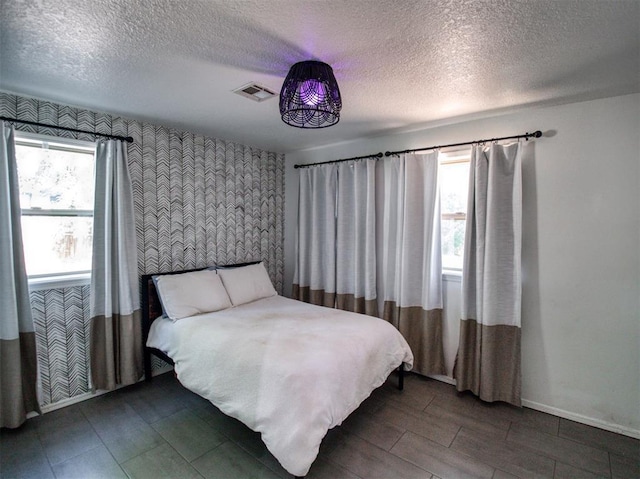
{"points": [[400, 64]]}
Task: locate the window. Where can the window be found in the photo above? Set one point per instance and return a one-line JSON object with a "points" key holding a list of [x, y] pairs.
{"points": [[55, 177], [454, 185]]}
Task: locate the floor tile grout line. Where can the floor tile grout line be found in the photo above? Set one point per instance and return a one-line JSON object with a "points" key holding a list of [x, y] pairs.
{"points": [[44, 451], [533, 451], [454, 438], [340, 466], [416, 465], [79, 454], [538, 452], [165, 443], [396, 442], [246, 449], [603, 447], [610, 475], [444, 460], [429, 403], [381, 401], [180, 454], [490, 422], [46, 455], [396, 456], [95, 431], [190, 462], [574, 441], [466, 416], [110, 453], [102, 440]]}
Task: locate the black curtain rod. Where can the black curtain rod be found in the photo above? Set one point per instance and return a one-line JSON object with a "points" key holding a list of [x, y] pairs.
{"points": [[374, 155], [535, 134], [128, 139]]}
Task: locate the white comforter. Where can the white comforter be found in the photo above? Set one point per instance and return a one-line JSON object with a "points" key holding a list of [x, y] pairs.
{"points": [[287, 369]]}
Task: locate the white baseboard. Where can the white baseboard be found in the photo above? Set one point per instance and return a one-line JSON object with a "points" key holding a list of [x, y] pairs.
{"points": [[607, 426], [83, 397], [589, 421], [444, 379], [66, 402]]}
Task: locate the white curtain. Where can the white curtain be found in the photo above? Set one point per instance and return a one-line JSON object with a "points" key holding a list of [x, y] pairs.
{"points": [[488, 360], [412, 262], [18, 363], [336, 263], [314, 279], [116, 349], [356, 237]]}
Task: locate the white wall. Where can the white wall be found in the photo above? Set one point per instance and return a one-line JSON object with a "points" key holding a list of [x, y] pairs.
{"points": [[581, 252]]}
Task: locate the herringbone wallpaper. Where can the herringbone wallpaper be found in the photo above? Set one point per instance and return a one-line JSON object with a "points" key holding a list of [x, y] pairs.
{"points": [[199, 201], [61, 319]]}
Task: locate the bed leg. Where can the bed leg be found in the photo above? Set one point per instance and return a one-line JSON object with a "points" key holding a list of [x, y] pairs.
{"points": [[401, 377], [147, 364]]}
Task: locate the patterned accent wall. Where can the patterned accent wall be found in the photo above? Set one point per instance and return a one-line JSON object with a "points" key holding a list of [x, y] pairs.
{"points": [[199, 201], [61, 320]]}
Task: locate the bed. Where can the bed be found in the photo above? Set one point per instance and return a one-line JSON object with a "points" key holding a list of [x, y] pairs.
{"points": [[287, 369]]}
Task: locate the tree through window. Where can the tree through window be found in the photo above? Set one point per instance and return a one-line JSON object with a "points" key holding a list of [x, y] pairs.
{"points": [[56, 183], [454, 185]]}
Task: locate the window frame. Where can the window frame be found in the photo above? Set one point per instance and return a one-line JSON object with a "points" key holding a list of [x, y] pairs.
{"points": [[458, 155], [57, 279]]}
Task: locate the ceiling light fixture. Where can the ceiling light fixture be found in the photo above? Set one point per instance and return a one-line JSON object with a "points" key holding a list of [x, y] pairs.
{"points": [[310, 97]]}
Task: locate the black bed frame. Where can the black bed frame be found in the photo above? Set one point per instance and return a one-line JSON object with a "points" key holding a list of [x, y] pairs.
{"points": [[152, 309]]}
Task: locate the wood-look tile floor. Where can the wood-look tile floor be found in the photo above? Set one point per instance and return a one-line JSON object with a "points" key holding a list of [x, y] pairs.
{"points": [[161, 430]]}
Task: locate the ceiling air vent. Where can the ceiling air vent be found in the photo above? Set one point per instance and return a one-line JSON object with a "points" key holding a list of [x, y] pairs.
{"points": [[255, 91]]}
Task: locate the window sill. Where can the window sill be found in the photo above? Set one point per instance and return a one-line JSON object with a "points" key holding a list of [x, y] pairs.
{"points": [[59, 281], [452, 275]]}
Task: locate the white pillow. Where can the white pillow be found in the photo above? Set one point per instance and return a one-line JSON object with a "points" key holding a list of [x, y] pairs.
{"points": [[247, 283], [188, 294]]}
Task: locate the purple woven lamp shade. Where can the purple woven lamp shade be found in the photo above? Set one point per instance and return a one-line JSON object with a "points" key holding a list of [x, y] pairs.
{"points": [[310, 97]]}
